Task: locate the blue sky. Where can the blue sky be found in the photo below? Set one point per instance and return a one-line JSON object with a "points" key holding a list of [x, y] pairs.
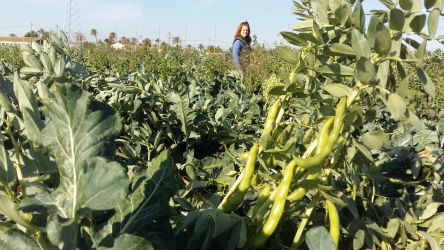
{"points": [[194, 21]]}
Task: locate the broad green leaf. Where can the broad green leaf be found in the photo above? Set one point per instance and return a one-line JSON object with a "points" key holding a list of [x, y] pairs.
{"points": [[341, 14], [79, 136], [383, 73], [360, 44], [305, 25], [397, 19], [8, 208], [32, 61], [383, 40], [365, 70], [30, 71], [145, 209], [180, 105], [59, 67], [341, 49], [7, 171], [15, 239], [358, 239], [24, 93], [421, 51], [44, 58], [337, 89], [433, 243], [389, 3], [62, 232], [371, 30], [318, 238], [365, 152], [437, 225], [288, 54], [396, 105], [418, 23], [429, 3], [130, 242], [392, 227], [358, 17], [5, 103], [293, 38], [322, 9], [33, 124], [336, 69], [430, 210], [374, 140], [406, 4], [429, 86], [432, 22]]}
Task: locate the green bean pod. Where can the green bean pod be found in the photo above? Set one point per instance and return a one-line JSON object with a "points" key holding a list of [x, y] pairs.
{"points": [[326, 150], [271, 117], [300, 192], [333, 217], [324, 134], [234, 198], [278, 207], [262, 198]]}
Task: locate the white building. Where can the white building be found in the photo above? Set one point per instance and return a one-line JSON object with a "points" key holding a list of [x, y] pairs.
{"points": [[117, 46], [16, 41]]}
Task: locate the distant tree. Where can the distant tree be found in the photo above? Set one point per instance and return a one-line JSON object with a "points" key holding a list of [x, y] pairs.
{"points": [[112, 37], [93, 33], [157, 42], [176, 41], [133, 40], [146, 42], [31, 33], [124, 39], [201, 47], [12, 35], [79, 38]]}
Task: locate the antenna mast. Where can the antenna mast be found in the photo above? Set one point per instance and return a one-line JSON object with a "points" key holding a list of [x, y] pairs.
{"points": [[72, 19]]}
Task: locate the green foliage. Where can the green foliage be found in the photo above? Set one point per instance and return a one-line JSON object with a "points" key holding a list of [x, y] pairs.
{"points": [[130, 149]]}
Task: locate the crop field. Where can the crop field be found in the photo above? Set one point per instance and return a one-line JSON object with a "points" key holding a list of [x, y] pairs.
{"points": [[333, 140]]}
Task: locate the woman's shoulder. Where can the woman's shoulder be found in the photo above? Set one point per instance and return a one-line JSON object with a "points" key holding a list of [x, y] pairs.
{"points": [[237, 42]]}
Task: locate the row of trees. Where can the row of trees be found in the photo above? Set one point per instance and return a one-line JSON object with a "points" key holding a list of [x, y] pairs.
{"points": [[79, 38]]}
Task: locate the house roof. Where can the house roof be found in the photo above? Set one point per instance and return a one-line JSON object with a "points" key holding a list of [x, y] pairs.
{"points": [[18, 39]]}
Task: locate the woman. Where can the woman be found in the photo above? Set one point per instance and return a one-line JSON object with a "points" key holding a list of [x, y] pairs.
{"points": [[241, 45]]}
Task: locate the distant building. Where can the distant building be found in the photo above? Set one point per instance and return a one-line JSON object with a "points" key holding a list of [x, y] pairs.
{"points": [[117, 46], [16, 41]]}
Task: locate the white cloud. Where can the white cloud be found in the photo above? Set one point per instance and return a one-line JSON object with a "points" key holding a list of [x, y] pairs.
{"points": [[115, 12]]}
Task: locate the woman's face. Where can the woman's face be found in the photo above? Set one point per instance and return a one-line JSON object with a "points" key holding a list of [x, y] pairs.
{"points": [[244, 31]]}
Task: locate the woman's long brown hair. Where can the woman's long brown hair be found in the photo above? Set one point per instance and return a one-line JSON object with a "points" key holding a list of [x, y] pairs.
{"points": [[239, 28]]}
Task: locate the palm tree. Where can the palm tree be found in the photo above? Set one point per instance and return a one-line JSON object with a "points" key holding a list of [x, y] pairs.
{"points": [[112, 37], [93, 33], [201, 47], [176, 41], [146, 42], [31, 33]]}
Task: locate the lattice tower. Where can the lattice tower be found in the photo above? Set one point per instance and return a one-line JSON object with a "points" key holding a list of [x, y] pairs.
{"points": [[72, 19]]}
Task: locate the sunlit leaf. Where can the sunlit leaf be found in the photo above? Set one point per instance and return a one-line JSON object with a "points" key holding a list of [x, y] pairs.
{"points": [[432, 22], [318, 238], [397, 19], [337, 89], [396, 105]]}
